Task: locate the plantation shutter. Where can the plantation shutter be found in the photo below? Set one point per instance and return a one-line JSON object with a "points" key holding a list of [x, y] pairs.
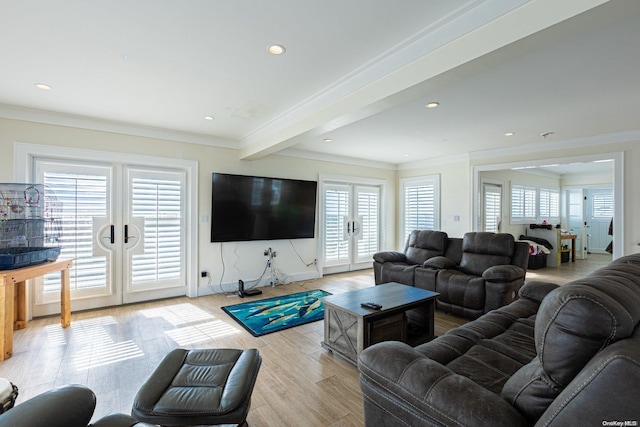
{"points": [[159, 203], [336, 205], [82, 197], [523, 203], [602, 205], [549, 204], [368, 201], [421, 205], [492, 207]]}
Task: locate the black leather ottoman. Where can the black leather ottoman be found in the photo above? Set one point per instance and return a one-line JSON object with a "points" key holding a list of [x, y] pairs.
{"points": [[199, 387]]}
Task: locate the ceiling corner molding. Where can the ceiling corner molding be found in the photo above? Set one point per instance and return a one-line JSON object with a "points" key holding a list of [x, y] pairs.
{"points": [[437, 161], [70, 120], [550, 146], [311, 155]]}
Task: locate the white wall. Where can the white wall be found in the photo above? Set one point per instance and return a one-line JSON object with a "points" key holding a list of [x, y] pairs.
{"points": [[242, 260]]}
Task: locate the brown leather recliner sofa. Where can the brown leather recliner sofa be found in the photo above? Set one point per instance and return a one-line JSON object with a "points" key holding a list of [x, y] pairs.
{"points": [[558, 356], [474, 275]]}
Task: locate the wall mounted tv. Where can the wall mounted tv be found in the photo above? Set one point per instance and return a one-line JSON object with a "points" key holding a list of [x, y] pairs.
{"points": [[259, 208]]}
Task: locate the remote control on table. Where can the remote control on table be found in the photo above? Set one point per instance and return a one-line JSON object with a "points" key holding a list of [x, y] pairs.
{"points": [[371, 305]]}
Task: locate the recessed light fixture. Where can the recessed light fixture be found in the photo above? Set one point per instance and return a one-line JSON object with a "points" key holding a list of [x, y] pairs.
{"points": [[432, 105], [276, 49], [328, 140], [209, 118], [42, 86], [509, 133]]}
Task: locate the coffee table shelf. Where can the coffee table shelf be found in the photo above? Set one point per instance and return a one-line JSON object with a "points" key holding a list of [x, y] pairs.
{"points": [[350, 328]]}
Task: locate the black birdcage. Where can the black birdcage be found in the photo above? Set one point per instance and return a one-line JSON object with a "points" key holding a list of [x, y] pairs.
{"points": [[30, 225]]}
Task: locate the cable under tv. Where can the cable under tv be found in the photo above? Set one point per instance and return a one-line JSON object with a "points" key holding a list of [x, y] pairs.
{"points": [[249, 292]]}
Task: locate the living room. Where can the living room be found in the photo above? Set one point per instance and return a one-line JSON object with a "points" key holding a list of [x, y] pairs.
{"points": [[32, 125]]}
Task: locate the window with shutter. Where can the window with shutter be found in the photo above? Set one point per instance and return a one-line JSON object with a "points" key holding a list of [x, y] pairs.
{"points": [[421, 204], [492, 207]]}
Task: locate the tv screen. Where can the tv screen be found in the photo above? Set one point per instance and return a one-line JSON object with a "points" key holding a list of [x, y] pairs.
{"points": [[259, 208]]}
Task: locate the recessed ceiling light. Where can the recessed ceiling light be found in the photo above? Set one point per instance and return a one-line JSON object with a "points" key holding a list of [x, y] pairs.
{"points": [[43, 86], [432, 105], [276, 49], [328, 140], [509, 133], [209, 118], [406, 155]]}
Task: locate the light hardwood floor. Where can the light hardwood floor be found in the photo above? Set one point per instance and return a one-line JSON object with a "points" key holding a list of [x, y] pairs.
{"points": [[113, 351]]}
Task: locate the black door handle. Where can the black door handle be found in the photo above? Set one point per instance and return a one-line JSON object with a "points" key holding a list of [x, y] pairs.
{"points": [[113, 234], [126, 233]]}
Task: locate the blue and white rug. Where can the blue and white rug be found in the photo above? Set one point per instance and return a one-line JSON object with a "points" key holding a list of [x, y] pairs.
{"points": [[275, 314]]}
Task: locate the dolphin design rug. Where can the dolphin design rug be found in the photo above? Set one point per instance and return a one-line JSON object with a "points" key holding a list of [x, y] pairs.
{"points": [[275, 314]]}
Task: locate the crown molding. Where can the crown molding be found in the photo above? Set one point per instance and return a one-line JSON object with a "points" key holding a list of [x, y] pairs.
{"points": [[89, 123], [312, 155]]}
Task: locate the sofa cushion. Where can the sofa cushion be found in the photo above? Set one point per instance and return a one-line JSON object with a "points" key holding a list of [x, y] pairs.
{"points": [[401, 273], [424, 244], [460, 289], [482, 250], [440, 263], [575, 322]]}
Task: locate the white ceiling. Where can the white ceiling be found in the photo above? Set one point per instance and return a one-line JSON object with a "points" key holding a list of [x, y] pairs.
{"points": [[358, 72]]}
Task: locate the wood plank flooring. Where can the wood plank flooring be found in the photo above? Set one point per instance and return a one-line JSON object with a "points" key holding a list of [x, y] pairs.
{"points": [[113, 351]]}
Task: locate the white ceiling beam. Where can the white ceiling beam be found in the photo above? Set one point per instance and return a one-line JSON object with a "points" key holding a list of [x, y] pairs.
{"points": [[378, 94]]}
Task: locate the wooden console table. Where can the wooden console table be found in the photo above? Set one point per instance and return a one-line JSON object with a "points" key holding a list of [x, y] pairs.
{"points": [[14, 302], [571, 237]]}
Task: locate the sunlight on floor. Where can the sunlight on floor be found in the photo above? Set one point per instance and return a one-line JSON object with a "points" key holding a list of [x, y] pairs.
{"points": [[201, 332], [106, 353], [178, 314]]}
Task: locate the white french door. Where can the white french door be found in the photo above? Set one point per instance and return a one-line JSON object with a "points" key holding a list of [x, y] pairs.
{"points": [[351, 226], [124, 226]]}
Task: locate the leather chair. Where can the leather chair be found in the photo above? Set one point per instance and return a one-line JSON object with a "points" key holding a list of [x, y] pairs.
{"points": [[67, 406], [491, 270]]}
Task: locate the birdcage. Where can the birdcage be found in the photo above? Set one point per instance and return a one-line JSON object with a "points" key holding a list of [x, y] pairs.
{"points": [[30, 225]]}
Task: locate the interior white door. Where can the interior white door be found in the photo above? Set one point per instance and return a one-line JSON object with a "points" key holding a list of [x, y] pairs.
{"points": [[123, 226], [598, 217]]}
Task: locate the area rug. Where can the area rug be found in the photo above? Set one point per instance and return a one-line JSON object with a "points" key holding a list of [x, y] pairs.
{"points": [[275, 314]]}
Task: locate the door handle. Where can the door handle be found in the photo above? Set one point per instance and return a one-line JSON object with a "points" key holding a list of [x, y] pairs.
{"points": [[112, 235], [126, 234]]}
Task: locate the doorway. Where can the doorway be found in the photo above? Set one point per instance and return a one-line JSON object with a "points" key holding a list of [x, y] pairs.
{"points": [[125, 224], [350, 223]]}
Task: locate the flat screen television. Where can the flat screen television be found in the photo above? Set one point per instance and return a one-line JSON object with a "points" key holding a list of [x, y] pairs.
{"points": [[259, 208]]}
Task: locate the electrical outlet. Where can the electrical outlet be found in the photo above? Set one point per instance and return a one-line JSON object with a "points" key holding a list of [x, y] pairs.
{"points": [[204, 273]]}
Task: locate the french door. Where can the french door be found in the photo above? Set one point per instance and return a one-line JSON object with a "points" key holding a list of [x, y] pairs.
{"points": [[124, 226], [351, 226]]}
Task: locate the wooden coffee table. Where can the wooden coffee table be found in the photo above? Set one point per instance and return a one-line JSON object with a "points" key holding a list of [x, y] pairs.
{"points": [[350, 328]]}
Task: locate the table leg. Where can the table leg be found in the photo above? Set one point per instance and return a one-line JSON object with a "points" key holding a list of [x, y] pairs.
{"points": [[573, 250], [20, 306], [65, 298], [6, 298]]}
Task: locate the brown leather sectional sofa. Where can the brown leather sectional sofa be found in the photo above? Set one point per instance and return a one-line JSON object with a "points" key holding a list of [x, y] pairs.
{"points": [[558, 356], [474, 275]]}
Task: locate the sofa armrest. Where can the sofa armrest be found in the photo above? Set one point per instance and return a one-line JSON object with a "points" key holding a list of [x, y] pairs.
{"points": [[403, 386], [503, 273], [389, 256], [68, 406], [440, 263], [536, 290]]}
